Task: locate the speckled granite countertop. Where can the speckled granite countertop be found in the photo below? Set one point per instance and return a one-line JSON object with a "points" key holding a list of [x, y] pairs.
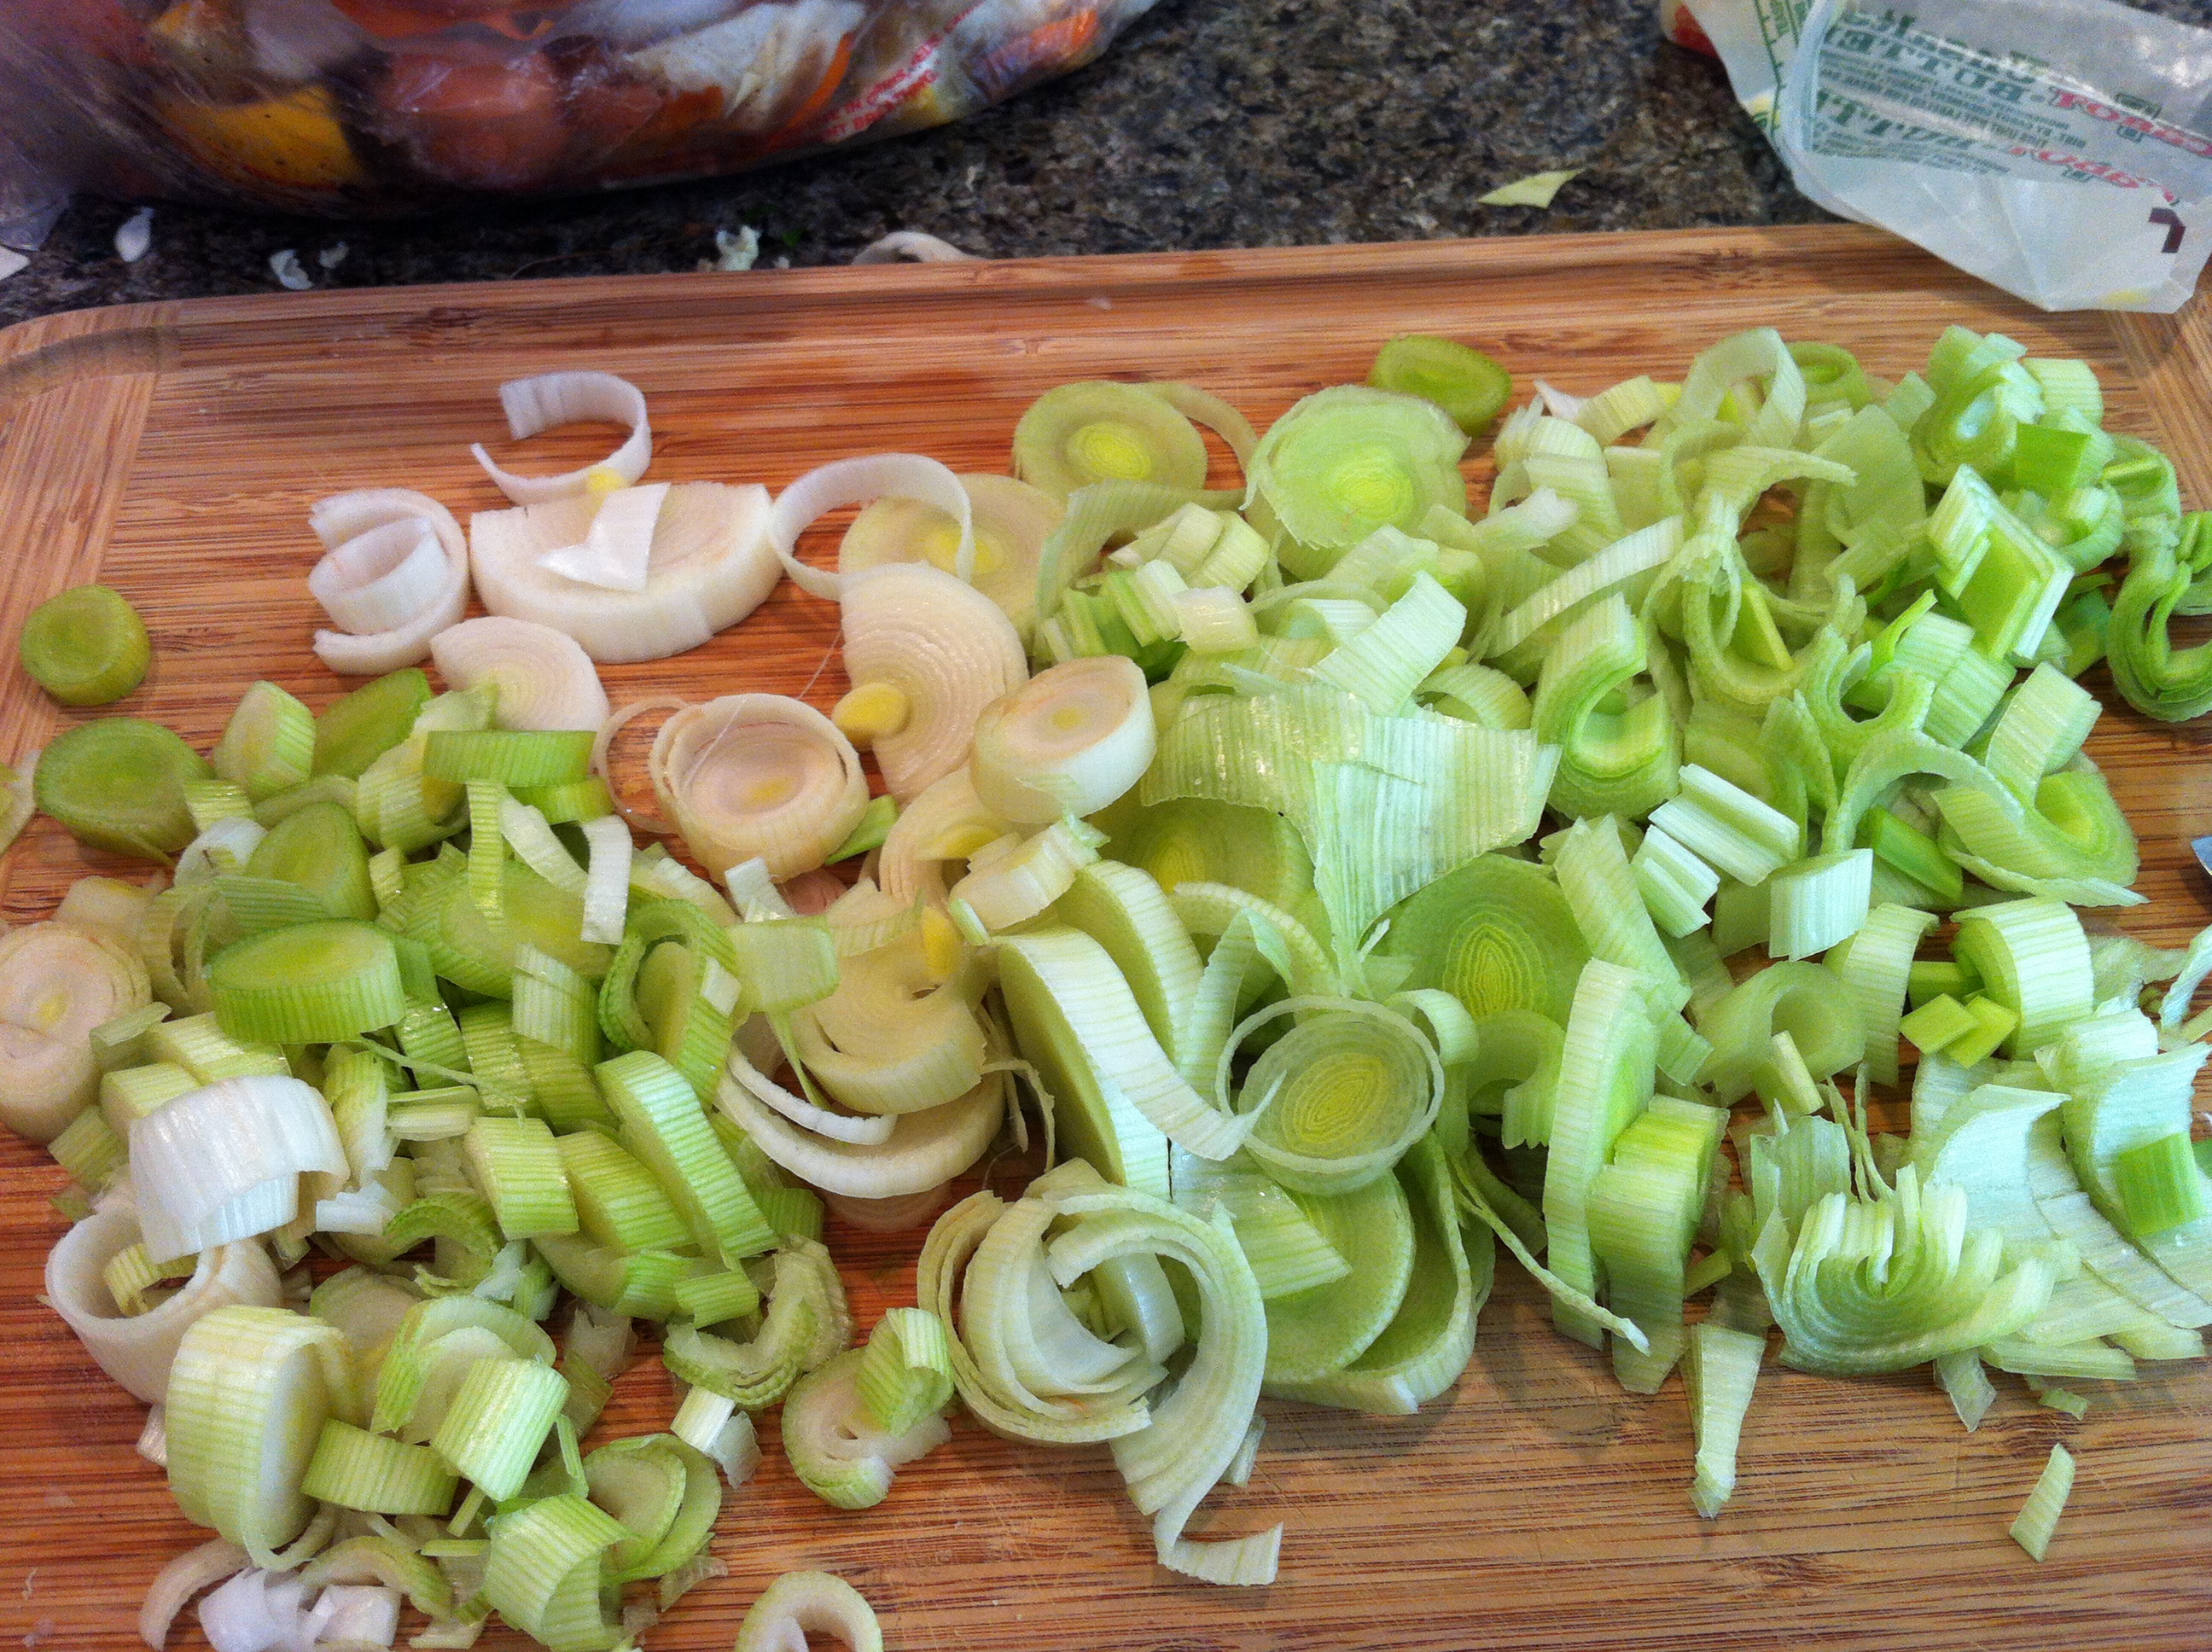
{"points": [[1210, 122]]}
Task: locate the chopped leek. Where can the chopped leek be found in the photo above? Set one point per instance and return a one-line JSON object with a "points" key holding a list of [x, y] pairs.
{"points": [[1467, 384], [86, 646], [2038, 1518]]}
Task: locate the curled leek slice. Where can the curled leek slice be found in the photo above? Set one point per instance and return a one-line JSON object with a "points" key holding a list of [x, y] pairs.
{"points": [[710, 565], [536, 405], [860, 482], [543, 677], [138, 1350], [923, 1148], [947, 822], [394, 573], [838, 1450], [1011, 522], [56, 984], [942, 651], [1884, 1286], [896, 1036], [224, 1161], [758, 775], [1342, 1096], [181, 1579], [1069, 741], [801, 1604]]}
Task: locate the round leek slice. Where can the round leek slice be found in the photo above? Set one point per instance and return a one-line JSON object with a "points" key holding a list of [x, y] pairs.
{"points": [[1100, 430], [1340, 1098], [1012, 520], [357, 730], [758, 776], [1349, 460], [1497, 934], [56, 984], [1467, 384], [1069, 741], [319, 848], [544, 678], [1316, 1332], [1198, 840], [118, 784], [86, 646], [944, 649], [308, 984]]}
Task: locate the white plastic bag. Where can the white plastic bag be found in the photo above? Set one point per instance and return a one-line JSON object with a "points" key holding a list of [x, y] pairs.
{"points": [[2059, 148]]}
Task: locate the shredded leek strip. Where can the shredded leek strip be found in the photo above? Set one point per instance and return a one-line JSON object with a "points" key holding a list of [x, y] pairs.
{"points": [[1721, 1367], [1624, 761], [2038, 1517], [1605, 1077], [803, 1603], [1644, 1209]]}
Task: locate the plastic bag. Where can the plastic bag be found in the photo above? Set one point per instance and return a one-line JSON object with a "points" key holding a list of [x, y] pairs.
{"points": [[373, 107], [2061, 150]]}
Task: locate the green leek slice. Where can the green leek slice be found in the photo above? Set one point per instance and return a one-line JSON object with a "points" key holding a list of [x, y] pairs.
{"points": [[1497, 933], [117, 784], [319, 849], [1470, 386], [308, 984], [357, 729], [1606, 1068], [1100, 430], [1643, 1211], [2038, 1518], [86, 646], [1349, 460]]}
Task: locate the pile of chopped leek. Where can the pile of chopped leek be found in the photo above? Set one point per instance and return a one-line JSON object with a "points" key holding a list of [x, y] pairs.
{"points": [[1346, 882]]}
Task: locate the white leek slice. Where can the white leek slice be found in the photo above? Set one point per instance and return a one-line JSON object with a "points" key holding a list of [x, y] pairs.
{"points": [[607, 882], [945, 646], [1069, 741], [1011, 522], [137, 1350], [381, 579], [536, 405], [803, 1604], [947, 822], [1014, 882], [710, 566], [544, 678], [866, 1130], [896, 1036], [373, 563], [224, 1161], [858, 482], [758, 775], [56, 984], [616, 554], [181, 1579], [923, 1149]]}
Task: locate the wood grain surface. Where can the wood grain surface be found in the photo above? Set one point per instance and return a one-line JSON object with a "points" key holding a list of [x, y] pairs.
{"points": [[173, 451]]}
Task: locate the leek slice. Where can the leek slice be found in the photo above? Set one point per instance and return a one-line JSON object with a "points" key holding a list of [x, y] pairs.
{"points": [[1470, 386], [1600, 886], [758, 775], [117, 784], [308, 984], [1314, 1332], [1010, 522], [1343, 1094], [1795, 997], [1605, 1078], [1728, 827], [905, 1373], [662, 1124], [837, 1449], [542, 1571], [1760, 356], [1624, 762], [2159, 680], [1428, 1341], [1877, 966], [1122, 908], [2034, 960], [1070, 741], [947, 649], [357, 729], [2038, 1518], [58, 985], [1198, 840], [247, 1398], [1819, 902], [355, 1469], [1497, 933], [921, 1151], [86, 646], [1101, 431], [269, 744], [1349, 460], [1944, 1287], [803, 1603], [1644, 1210], [319, 848], [1720, 1370]]}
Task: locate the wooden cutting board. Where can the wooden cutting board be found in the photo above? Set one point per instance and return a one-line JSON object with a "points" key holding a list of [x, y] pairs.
{"points": [[171, 450]]}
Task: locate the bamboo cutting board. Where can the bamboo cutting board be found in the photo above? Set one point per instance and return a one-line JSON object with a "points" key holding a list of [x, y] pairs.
{"points": [[172, 450]]}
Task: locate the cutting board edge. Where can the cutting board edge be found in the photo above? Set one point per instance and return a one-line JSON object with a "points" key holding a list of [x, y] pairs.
{"points": [[48, 351]]}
